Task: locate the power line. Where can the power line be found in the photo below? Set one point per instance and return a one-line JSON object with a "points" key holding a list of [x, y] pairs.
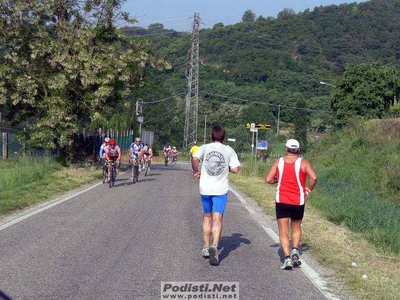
{"points": [[158, 34], [258, 102], [162, 100], [166, 113], [159, 21]]}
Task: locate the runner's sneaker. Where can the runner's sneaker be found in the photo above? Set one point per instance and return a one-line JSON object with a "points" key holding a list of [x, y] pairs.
{"points": [[295, 258], [205, 252], [287, 264], [213, 250]]}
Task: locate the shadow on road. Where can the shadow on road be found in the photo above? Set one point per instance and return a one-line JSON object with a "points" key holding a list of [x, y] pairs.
{"points": [[4, 296], [230, 243]]}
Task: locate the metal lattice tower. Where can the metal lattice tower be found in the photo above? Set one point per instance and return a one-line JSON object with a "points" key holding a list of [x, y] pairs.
{"points": [[192, 96]]}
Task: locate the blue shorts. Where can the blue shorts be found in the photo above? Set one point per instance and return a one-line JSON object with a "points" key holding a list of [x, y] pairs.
{"points": [[214, 203]]}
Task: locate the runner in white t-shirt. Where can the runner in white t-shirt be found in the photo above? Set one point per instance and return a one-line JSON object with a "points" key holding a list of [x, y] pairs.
{"points": [[218, 160]]}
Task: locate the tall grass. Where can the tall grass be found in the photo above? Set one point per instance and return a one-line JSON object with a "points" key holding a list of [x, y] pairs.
{"points": [[359, 180], [21, 177], [17, 172]]}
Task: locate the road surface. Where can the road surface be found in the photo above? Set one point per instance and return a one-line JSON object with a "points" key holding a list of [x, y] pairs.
{"points": [[125, 242]]}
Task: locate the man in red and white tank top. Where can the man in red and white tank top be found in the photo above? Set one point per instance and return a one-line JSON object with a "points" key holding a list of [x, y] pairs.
{"points": [[290, 173]]}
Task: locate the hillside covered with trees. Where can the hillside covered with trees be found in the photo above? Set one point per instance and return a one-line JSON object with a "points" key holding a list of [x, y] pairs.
{"points": [[66, 66], [264, 66]]}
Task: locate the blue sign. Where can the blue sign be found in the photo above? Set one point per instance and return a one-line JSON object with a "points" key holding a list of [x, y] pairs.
{"points": [[262, 145]]}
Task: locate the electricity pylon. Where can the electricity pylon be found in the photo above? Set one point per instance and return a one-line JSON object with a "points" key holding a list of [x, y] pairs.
{"points": [[192, 96]]}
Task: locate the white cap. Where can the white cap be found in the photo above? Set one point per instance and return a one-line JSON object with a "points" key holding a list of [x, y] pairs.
{"points": [[293, 144]]}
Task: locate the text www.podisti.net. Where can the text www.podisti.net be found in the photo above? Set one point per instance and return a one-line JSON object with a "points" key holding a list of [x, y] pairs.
{"points": [[199, 290]]}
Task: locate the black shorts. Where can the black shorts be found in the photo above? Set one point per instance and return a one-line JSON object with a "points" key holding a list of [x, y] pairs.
{"points": [[294, 212]]}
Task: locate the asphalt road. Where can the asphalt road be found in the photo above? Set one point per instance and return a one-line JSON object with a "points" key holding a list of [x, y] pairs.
{"points": [[123, 242]]}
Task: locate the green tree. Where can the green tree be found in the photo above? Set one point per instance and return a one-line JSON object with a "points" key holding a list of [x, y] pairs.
{"points": [[301, 123], [395, 111], [286, 13], [257, 113], [242, 137], [248, 16], [63, 66], [156, 28], [217, 26], [365, 90]]}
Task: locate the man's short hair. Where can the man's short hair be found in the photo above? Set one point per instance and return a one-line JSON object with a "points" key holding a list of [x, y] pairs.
{"points": [[293, 146], [218, 133], [293, 151]]}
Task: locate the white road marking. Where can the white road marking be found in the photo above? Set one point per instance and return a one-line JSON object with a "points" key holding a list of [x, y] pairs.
{"points": [[318, 282], [307, 270], [46, 207]]}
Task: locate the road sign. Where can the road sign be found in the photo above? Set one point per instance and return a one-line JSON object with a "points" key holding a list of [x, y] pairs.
{"points": [[258, 125], [262, 145], [147, 137]]}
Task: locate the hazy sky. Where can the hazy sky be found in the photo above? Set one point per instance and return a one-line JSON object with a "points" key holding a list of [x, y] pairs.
{"points": [[178, 14]]}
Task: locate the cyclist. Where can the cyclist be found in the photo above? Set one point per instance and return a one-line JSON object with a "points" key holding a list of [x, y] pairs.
{"points": [[102, 152], [147, 153], [136, 151], [113, 154], [174, 154], [167, 149]]}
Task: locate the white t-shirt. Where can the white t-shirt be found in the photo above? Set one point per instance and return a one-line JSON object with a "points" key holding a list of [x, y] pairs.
{"points": [[216, 158]]}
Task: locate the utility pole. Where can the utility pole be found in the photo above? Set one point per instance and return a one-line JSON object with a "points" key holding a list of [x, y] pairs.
{"points": [[205, 128], [139, 114], [279, 116], [192, 96]]}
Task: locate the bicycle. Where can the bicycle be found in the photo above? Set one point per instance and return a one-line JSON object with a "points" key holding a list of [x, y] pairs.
{"points": [[105, 171], [166, 157], [135, 170], [174, 158], [113, 174], [146, 165]]}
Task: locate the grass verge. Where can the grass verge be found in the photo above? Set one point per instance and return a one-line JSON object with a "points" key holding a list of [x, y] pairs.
{"points": [[334, 246], [26, 183], [30, 181]]}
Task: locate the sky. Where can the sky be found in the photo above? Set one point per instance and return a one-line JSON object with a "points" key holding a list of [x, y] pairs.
{"points": [[178, 14]]}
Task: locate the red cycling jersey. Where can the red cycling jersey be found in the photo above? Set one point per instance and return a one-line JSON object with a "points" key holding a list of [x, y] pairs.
{"points": [[167, 150], [112, 152]]}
